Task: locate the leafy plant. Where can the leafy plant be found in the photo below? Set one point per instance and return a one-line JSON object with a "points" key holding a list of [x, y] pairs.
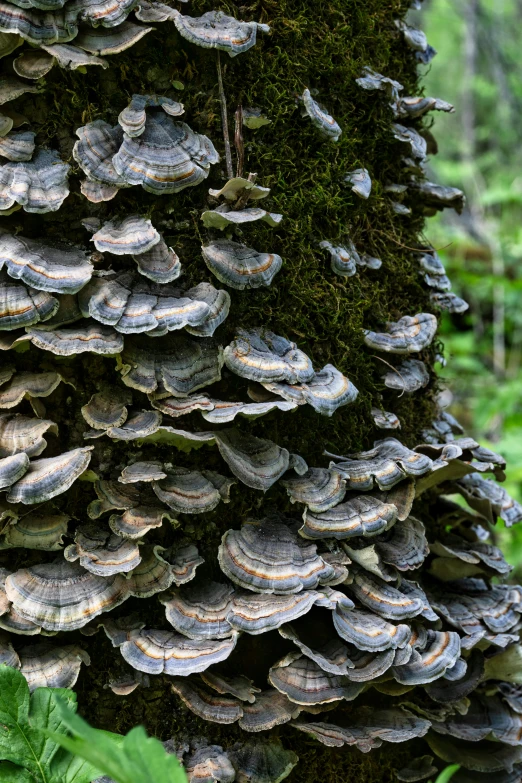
{"points": [[447, 773], [135, 758], [36, 746]]}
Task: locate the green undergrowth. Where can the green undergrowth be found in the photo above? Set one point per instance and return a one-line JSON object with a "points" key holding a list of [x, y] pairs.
{"points": [[322, 45]]}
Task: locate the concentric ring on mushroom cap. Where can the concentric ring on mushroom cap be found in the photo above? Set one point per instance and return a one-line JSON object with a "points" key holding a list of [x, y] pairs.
{"points": [[39, 186], [98, 143], [368, 631], [327, 391], [304, 682], [239, 266], [257, 614], [323, 121], [133, 118], [88, 336], [409, 334], [21, 306], [110, 40], [20, 433], [47, 478], [46, 666], [62, 596], [155, 652], [166, 158], [267, 557], [63, 270], [262, 760], [36, 530], [131, 236], [201, 612], [362, 515], [440, 654], [209, 706], [261, 355], [215, 30]]}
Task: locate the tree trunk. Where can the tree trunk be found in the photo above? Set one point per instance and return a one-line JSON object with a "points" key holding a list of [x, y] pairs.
{"points": [[323, 46]]}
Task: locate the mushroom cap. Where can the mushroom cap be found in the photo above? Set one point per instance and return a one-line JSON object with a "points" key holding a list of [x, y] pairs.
{"points": [[319, 489], [343, 260], [218, 302], [446, 691], [98, 143], [23, 434], [107, 408], [417, 143], [417, 769], [304, 682], [360, 181], [409, 334], [160, 568], [133, 305], [111, 40], [369, 728], [46, 666], [263, 356], [133, 118], [327, 390], [489, 499], [102, 552], [207, 705], [256, 462], [487, 716], [384, 599], [268, 557], [17, 146], [332, 657], [410, 376], [385, 420], [156, 652], [42, 531], [215, 30], [239, 687], [413, 107], [28, 384], [201, 612], [368, 631], [131, 236], [88, 336], [37, 27], [239, 266], [153, 11], [406, 548], [362, 515], [261, 761], [323, 121], [39, 185], [454, 546], [177, 366], [11, 87], [139, 425], [47, 268], [166, 158], [218, 412], [224, 216], [47, 478], [103, 12], [448, 301], [23, 306], [8, 656], [191, 491], [160, 264], [440, 653], [257, 614], [72, 57], [62, 596], [271, 708], [142, 471]]}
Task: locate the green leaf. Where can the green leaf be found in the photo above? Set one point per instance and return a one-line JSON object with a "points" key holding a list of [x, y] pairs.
{"points": [[25, 723], [135, 758], [447, 773]]}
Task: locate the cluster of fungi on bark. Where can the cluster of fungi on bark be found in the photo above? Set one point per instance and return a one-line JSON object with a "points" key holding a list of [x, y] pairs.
{"points": [[385, 607]]}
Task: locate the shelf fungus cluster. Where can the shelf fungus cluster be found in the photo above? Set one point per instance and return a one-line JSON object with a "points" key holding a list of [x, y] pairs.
{"points": [[251, 580]]}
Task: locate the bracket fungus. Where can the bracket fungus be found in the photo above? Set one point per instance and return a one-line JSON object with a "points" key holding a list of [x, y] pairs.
{"points": [[261, 355], [319, 489], [268, 557], [191, 491], [102, 552], [201, 612], [323, 121], [409, 376], [225, 216], [362, 515], [46, 478], [410, 334], [239, 266], [304, 682], [110, 40], [133, 119], [46, 666], [216, 30], [157, 652], [344, 260], [360, 181], [326, 391], [40, 186]]}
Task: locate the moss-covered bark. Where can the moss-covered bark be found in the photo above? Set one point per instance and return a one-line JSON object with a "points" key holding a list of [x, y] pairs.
{"points": [[323, 45]]}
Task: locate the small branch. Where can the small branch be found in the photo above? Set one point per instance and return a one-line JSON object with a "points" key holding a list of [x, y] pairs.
{"points": [[224, 120], [238, 142], [391, 368]]}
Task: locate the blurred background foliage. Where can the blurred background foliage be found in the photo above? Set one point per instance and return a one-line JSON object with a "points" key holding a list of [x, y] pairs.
{"points": [[479, 70]]}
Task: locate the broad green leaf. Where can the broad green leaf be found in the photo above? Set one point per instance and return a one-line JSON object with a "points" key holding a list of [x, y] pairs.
{"points": [[136, 758], [25, 723], [10, 773], [447, 773]]}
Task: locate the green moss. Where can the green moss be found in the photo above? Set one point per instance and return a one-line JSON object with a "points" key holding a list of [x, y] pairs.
{"points": [[323, 45]]}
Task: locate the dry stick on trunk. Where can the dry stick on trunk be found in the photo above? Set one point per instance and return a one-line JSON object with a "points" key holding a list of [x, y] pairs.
{"points": [[238, 142], [224, 120]]}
